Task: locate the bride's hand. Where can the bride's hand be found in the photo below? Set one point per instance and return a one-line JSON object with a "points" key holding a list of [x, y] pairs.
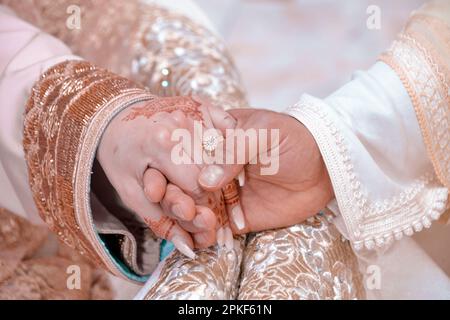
{"points": [[296, 190], [135, 153]]}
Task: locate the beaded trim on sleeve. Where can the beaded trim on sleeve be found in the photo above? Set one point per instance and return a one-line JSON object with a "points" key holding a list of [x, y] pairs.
{"points": [[369, 223], [420, 59], [62, 106]]}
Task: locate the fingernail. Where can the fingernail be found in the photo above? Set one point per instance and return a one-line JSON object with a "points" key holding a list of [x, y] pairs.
{"points": [[176, 210], [183, 247], [199, 222], [241, 178], [220, 237], [229, 240], [238, 217], [211, 176]]}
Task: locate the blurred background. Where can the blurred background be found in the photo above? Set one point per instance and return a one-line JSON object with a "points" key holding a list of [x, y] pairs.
{"points": [[284, 48]]}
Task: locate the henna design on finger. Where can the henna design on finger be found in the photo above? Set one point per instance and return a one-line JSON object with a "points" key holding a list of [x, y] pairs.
{"points": [[218, 207], [162, 227], [231, 196], [231, 193]]}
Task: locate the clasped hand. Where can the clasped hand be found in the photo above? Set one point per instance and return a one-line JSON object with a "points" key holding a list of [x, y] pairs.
{"points": [[182, 201]]}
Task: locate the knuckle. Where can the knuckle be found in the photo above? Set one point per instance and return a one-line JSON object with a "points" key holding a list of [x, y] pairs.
{"points": [[162, 136], [178, 116], [198, 194], [172, 193]]}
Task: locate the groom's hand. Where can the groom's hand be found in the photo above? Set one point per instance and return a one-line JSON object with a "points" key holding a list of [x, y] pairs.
{"points": [[278, 196]]}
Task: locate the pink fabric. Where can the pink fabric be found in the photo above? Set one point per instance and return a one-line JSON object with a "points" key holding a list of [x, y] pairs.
{"points": [[24, 54]]}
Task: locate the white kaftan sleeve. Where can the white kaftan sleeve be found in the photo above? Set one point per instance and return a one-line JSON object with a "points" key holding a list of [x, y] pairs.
{"points": [[371, 143], [25, 53]]}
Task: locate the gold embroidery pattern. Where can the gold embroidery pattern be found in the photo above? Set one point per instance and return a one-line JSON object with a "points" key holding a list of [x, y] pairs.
{"points": [[25, 275], [308, 261], [420, 58], [166, 51], [212, 275], [184, 58], [60, 107]]}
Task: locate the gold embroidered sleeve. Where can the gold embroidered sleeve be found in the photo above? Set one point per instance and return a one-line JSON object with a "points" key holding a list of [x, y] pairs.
{"points": [[67, 111], [162, 49]]}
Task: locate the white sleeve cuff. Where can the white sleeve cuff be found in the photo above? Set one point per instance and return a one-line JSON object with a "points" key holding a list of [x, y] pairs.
{"points": [[367, 132]]}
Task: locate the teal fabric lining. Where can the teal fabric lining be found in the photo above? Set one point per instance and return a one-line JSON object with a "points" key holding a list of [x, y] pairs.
{"points": [[165, 249], [121, 265]]}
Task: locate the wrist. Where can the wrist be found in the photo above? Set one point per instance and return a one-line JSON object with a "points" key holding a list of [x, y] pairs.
{"points": [[117, 133], [315, 165]]}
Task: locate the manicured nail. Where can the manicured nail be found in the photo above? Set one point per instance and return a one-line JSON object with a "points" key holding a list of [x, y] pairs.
{"points": [[238, 217], [220, 237], [211, 176], [183, 247], [229, 240], [176, 210], [241, 178]]}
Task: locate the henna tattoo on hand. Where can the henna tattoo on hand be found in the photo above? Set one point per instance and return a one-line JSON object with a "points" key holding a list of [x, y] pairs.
{"points": [[187, 105], [231, 193], [162, 227], [191, 108]]}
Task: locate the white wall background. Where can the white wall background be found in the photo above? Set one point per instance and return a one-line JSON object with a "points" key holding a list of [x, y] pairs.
{"points": [[284, 48]]}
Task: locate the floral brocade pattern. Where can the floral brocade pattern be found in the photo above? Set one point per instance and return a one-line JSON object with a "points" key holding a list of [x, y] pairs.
{"points": [[176, 56], [308, 261], [25, 276], [212, 275]]}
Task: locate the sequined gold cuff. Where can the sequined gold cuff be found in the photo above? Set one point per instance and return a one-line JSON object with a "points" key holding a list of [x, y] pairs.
{"points": [[67, 111], [421, 59]]}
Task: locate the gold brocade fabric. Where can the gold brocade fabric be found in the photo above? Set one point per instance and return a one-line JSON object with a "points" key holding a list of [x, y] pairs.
{"points": [[25, 275], [170, 55], [163, 50], [213, 274], [308, 261]]}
